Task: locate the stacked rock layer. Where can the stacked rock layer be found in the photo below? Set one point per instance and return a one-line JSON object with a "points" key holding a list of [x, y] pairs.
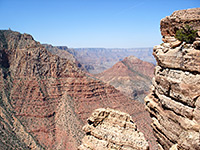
{"points": [[110, 129], [174, 102], [45, 99]]}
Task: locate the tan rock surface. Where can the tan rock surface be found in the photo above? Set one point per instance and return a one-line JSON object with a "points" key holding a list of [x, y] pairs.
{"points": [[185, 57], [110, 129], [170, 24], [174, 99]]}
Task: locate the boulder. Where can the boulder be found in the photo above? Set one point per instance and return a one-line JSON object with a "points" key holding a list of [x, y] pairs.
{"points": [[111, 129]]}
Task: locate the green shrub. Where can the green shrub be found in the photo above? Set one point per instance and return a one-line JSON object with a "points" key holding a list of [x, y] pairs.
{"points": [[186, 34]]}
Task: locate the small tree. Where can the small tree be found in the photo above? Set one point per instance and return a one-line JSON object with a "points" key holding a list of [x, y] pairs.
{"points": [[186, 34]]}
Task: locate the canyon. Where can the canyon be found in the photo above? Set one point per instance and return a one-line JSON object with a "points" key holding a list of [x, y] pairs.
{"points": [[131, 76], [49, 102], [97, 60], [46, 99]]}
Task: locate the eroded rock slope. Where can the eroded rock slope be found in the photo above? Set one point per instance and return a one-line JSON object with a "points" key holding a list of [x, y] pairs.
{"points": [[45, 99], [131, 76]]}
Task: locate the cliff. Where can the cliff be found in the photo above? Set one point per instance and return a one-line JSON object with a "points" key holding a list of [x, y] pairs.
{"points": [[65, 52], [110, 129], [46, 99], [170, 24], [131, 76], [174, 102]]}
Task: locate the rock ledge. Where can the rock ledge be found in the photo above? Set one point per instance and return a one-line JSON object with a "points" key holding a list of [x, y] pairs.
{"points": [[110, 129]]}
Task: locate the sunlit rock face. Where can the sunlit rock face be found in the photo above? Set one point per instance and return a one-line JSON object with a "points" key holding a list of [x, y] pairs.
{"points": [[174, 101], [170, 24], [111, 129]]}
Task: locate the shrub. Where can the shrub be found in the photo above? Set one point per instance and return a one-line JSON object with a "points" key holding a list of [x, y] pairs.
{"points": [[186, 34]]}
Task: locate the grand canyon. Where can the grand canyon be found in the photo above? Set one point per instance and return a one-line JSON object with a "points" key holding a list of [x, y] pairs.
{"points": [[46, 99], [51, 97]]}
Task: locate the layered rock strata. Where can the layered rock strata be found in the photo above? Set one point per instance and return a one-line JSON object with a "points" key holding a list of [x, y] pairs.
{"points": [[110, 129], [174, 102], [63, 53], [45, 99], [131, 76]]}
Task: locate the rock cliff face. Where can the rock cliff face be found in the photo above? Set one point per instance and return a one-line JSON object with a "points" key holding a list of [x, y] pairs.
{"points": [[110, 129], [45, 99], [131, 76], [65, 52], [174, 102], [170, 24]]}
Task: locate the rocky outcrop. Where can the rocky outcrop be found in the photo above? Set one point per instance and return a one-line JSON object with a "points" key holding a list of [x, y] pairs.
{"points": [[170, 24], [131, 76], [175, 96], [110, 129], [46, 99]]}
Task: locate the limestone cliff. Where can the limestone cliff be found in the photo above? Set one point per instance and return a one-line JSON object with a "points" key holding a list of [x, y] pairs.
{"points": [[46, 99], [174, 102], [110, 129]]}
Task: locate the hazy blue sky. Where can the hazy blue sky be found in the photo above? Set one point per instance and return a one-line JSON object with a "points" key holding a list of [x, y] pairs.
{"points": [[91, 23]]}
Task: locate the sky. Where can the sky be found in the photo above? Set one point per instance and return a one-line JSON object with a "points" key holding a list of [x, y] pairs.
{"points": [[91, 23]]}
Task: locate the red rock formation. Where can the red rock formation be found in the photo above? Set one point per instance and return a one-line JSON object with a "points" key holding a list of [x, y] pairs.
{"points": [[49, 98], [131, 76], [174, 100]]}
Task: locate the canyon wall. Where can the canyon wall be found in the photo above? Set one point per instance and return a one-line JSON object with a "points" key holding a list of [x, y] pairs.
{"points": [[131, 76], [174, 101], [45, 99]]}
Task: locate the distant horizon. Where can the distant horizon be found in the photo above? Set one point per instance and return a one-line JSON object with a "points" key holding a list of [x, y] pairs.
{"points": [[109, 47], [81, 47], [91, 23]]}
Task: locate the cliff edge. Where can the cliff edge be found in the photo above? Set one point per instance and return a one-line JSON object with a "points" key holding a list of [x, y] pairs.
{"points": [[174, 101]]}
